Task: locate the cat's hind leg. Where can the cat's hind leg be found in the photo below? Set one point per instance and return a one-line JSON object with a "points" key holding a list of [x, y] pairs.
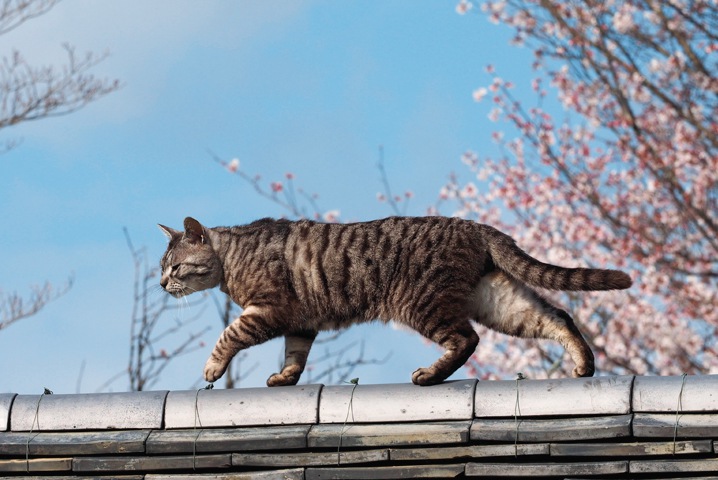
{"points": [[296, 351], [459, 339], [508, 306]]}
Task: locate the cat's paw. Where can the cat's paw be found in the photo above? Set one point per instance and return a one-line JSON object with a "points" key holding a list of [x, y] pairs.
{"points": [[213, 370], [284, 378], [426, 376], [583, 371]]}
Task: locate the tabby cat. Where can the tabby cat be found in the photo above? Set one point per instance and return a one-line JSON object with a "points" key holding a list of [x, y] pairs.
{"points": [[433, 274]]}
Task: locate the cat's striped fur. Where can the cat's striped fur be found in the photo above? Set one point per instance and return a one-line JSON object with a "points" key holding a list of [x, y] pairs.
{"points": [[433, 274]]}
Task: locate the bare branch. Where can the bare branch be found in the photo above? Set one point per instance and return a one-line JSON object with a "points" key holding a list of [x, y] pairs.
{"points": [[147, 360], [31, 93], [14, 307], [14, 13], [390, 198], [336, 366]]}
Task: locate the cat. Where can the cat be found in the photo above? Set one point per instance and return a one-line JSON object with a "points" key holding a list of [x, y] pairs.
{"points": [[433, 274]]}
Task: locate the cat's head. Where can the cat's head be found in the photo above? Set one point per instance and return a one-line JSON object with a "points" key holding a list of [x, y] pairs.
{"points": [[190, 264]]}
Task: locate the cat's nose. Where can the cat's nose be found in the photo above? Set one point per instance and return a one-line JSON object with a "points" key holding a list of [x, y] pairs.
{"points": [[164, 281]]}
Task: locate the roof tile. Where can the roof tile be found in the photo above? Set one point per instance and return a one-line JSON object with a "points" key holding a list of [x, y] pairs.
{"points": [[5, 403], [242, 407], [397, 402], [668, 394], [565, 397], [99, 411]]}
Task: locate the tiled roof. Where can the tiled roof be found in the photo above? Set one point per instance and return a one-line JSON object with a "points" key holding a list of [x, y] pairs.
{"points": [[603, 427]]}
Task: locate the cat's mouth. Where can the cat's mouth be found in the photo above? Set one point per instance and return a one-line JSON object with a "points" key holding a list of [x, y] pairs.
{"points": [[177, 292]]}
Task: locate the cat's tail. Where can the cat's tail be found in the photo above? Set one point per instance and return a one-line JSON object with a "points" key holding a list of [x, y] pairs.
{"points": [[507, 256]]}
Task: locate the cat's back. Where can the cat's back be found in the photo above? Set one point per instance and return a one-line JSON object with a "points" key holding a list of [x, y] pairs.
{"points": [[378, 239], [256, 249], [354, 267], [377, 245]]}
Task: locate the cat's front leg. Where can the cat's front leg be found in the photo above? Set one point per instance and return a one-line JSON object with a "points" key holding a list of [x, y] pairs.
{"points": [[253, 327], [296, 351]]}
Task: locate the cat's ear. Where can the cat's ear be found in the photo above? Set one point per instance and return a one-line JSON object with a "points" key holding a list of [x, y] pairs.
{"points": [[194, 231], [170, 232]]}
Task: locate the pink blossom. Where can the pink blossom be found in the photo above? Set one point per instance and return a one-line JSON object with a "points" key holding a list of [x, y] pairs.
{"points": [[446, 193], [591, 190], [233, 165], [620, 170], [469, 158], [463, 6], [332, 216], [469, 190], [479, 94], [277, 186]]}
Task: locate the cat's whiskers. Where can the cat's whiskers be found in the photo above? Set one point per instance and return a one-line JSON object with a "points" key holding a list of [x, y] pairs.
{"points": [[184, 301], [157, 289], [184, 304]]}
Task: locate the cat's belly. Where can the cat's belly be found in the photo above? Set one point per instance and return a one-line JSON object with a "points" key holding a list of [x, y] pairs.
{"points": [[339, 323]]}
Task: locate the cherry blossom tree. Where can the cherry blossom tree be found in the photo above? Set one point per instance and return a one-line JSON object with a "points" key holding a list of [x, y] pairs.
{"points": [[622, 172]]}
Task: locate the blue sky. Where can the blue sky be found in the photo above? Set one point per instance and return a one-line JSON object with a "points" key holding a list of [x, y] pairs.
{"points": [[311, 88]]}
